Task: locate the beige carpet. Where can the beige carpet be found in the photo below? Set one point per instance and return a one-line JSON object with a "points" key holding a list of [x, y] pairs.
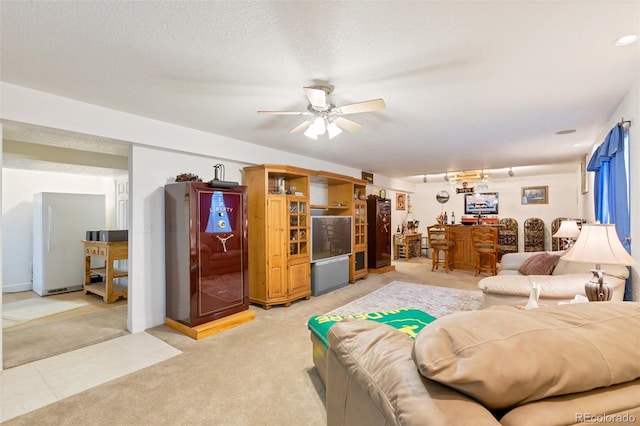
{"points": [[22, 345], [259, 373]]}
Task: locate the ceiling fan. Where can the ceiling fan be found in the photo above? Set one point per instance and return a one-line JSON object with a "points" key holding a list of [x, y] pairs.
{"points": [[323, 116]]}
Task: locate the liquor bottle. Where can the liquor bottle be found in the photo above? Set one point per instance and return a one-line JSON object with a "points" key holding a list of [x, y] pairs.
{"points": [[453, 218], [445, 218]]}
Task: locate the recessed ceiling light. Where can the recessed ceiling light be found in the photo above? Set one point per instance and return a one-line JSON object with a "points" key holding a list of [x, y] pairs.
{"points": [[565, 132], [626, 40], [576, 145]]}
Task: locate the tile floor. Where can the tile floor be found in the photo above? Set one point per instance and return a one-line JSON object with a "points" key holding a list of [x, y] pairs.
{"points": [[31, 386]]}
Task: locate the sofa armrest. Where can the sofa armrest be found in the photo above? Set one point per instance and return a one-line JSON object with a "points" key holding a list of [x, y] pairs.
{"points": [[372, 379]]}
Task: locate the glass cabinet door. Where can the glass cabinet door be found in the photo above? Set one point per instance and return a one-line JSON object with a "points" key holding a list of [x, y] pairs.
{"points": [[360, 223], [298, 228]]}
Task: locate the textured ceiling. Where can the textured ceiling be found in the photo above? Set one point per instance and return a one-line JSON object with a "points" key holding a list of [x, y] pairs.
{"points": [[468, 84]]}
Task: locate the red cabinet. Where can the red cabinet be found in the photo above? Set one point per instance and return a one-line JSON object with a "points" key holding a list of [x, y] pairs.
{"points": [[378, 232], [206, 252]]}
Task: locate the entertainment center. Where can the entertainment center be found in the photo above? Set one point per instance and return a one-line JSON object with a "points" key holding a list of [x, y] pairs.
{"points": [[284, 203]]}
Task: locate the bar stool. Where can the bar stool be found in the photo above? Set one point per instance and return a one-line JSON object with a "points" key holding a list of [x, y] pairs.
{"points": [[485, 244], [440, 240]]}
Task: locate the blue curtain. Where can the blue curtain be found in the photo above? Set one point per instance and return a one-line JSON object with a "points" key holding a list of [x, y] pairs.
{"points": [[611, 189]]}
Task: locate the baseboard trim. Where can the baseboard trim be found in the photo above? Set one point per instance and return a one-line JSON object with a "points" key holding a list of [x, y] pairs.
{"points": [[17, 288], [382, 270]]}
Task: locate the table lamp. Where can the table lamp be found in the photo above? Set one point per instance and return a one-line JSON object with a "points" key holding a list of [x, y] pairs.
{"points": [[568, 231], [599, 243]]}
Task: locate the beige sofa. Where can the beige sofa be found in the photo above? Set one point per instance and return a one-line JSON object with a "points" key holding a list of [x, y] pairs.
{"points": [[559, 365], [567, 280]]}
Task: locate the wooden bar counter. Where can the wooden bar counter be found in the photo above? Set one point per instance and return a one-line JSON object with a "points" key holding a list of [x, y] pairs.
{"points": [[464, 256]]}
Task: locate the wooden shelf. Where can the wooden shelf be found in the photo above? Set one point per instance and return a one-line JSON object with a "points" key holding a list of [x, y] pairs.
{"points": [[100, 289], [328, 207], [407, 246], [117, 273]]}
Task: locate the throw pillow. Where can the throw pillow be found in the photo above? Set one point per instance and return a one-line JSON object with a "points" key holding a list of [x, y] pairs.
{"points": [[539, 264], [504, 358]]}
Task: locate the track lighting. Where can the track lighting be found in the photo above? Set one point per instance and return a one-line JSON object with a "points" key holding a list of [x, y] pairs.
{"points": [[510, 172], [446, 177], [424, 179]]}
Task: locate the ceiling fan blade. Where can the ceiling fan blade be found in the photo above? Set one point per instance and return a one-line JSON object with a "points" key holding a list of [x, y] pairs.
{"points": [[284, 112], [301, 127], [317, 97], [346, 124], [366, 106]]}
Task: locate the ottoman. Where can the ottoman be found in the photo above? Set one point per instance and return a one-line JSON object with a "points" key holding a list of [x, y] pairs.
{"points": [[406, 320]]}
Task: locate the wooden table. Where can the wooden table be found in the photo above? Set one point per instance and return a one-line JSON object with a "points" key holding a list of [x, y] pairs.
{"points": [[110, 252], [407, 245]]}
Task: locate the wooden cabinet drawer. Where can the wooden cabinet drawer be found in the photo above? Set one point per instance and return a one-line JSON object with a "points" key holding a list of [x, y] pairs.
{"points": [[90, 249]]}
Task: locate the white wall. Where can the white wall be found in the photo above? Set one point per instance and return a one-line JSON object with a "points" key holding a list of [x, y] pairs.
{"points": [[563, 190], [18, 187], [151, 170]]}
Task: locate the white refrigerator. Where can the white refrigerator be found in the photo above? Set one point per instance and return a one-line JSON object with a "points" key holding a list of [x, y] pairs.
{"points": [[60, 223]]}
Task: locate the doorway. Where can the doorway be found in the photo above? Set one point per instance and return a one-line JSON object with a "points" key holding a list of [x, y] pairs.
{"points": [[44, 161]]}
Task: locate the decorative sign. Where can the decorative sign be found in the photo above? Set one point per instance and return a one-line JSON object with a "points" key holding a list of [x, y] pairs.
{"points": [[368, 177], [465, 189]]}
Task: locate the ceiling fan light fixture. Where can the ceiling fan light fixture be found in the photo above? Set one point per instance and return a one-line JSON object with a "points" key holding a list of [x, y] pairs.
{"points": [[318, 126], [311, 132], [323, 113], [333, 130]]}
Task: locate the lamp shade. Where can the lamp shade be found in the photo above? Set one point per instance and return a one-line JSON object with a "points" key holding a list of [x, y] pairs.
{"points": [[599, 243], [568, 229]]}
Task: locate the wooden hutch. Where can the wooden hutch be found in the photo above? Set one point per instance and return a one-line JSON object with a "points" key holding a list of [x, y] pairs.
{"points": [[279, 229]]}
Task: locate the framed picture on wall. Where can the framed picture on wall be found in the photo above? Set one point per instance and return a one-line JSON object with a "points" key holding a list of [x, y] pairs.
{"points": [[535, 195], [401, 201]]}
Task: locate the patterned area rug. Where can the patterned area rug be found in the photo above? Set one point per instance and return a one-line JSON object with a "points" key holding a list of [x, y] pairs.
{"points": [[436, 301]]}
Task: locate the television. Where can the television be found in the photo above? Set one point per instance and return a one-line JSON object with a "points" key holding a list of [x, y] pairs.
{"points": [[330, 237], [481, 203]]}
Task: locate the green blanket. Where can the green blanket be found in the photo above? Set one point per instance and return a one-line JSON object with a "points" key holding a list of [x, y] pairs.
{"points": [[407, 320]]}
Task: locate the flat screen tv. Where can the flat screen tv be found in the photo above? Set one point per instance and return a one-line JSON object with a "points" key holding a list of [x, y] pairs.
{"points": [[330, 237], [481, 203]]}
